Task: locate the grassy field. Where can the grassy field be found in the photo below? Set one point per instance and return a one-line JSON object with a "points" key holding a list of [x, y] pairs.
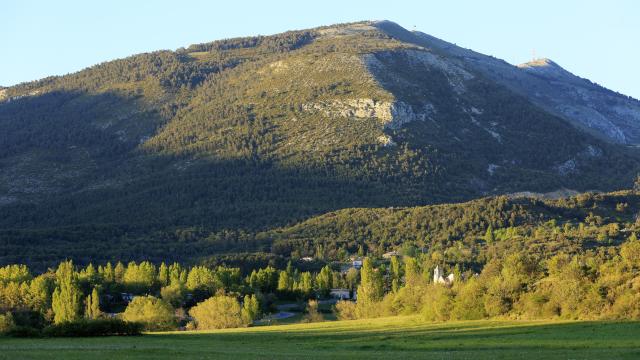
{"points": [[398, 337]]}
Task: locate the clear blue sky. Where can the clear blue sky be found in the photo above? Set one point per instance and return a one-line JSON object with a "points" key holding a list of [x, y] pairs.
{"points": [[599, 40]]}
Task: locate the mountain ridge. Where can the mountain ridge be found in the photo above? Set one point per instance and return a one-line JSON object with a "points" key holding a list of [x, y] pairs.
{"points": [[583, 103]]}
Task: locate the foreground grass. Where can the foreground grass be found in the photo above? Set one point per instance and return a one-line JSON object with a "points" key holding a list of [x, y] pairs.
{"points": [[401, 337]]}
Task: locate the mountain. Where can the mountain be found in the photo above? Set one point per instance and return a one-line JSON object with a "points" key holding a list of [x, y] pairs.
{"points": [[181, 154], [604, 113]]}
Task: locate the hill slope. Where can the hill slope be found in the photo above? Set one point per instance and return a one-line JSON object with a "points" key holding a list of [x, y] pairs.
{"points": [[146, 156], [604, 113]]}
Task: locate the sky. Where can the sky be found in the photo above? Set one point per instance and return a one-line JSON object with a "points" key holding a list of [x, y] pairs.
{"points": [[598, 40]]}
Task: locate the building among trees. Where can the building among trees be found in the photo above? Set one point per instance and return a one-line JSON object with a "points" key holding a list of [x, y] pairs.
{"points": [[439, 278]]}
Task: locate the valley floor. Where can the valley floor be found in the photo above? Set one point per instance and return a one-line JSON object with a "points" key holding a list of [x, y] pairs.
{"points": [[396, 337]]}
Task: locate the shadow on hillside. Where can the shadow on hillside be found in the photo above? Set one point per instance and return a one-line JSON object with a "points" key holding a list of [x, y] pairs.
{"points": [[119, 203]]}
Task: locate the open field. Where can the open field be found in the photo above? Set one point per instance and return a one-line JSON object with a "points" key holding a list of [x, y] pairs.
{"points": [[398, 337]]}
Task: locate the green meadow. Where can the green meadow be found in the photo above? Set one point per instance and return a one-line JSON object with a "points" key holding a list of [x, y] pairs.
{"points": [[396, 337]]}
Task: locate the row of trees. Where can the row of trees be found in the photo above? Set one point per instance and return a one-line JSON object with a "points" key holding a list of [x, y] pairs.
{"points": [[158, 296], [596, 284]]}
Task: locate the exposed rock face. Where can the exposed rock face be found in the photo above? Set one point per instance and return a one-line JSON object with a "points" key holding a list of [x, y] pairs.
{"points": [[604, 113], [385, 140], [392, 115], [402, 113], [567, 167]]}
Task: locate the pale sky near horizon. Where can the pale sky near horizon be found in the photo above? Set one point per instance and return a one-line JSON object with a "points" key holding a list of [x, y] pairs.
{"points": [[598, 40]]}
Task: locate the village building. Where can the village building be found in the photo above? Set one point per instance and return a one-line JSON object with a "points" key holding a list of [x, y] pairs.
{"points": [[390, 254], [439, 278], [341, 294]]}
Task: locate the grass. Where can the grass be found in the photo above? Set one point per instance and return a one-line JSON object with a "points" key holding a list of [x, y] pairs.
{"points": [[401, 337]]}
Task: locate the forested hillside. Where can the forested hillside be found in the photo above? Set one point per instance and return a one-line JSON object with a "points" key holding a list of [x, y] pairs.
{"points": [[178, 155], [521, 258]]}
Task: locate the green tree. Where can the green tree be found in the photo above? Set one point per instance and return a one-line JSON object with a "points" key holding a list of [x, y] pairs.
{"points": [[140, 277], [202, 279], [108, 274], [370, 290], [324, 280], [313, 315], [489, 237], [6, 322], [396, 274], [284, 281], [92, 305], [40, 289], [66, 300], [163, 274], [352, 277], [630, 252], [250, 308], [173, 294], [437, 303], [305, 285], [154, 313], [218, 312], [118, 273]]}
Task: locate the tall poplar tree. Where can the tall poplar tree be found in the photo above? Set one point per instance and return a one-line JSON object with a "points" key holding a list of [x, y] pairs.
{"points": [[92, 305], [66, 300]]}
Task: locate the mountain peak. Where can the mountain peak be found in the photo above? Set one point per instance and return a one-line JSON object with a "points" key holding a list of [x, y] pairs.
{"points": [[543, 62], [547, 68]]}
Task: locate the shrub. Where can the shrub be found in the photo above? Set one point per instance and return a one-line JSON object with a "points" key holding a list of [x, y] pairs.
{"points": [[312, 312], [154, 313], [6, 323], [468, 304], [23, 331], [30, 319], [345, 310], [437, 303], [250, 308], [87, 328], [218, 312], [173, 294]]}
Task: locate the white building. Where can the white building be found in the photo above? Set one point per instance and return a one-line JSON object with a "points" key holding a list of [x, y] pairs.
{"points": [[340, 294], [439, 278], [390, 254]]}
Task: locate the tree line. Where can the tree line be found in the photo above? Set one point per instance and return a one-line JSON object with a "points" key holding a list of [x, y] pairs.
{"points": [[158, 297]]}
